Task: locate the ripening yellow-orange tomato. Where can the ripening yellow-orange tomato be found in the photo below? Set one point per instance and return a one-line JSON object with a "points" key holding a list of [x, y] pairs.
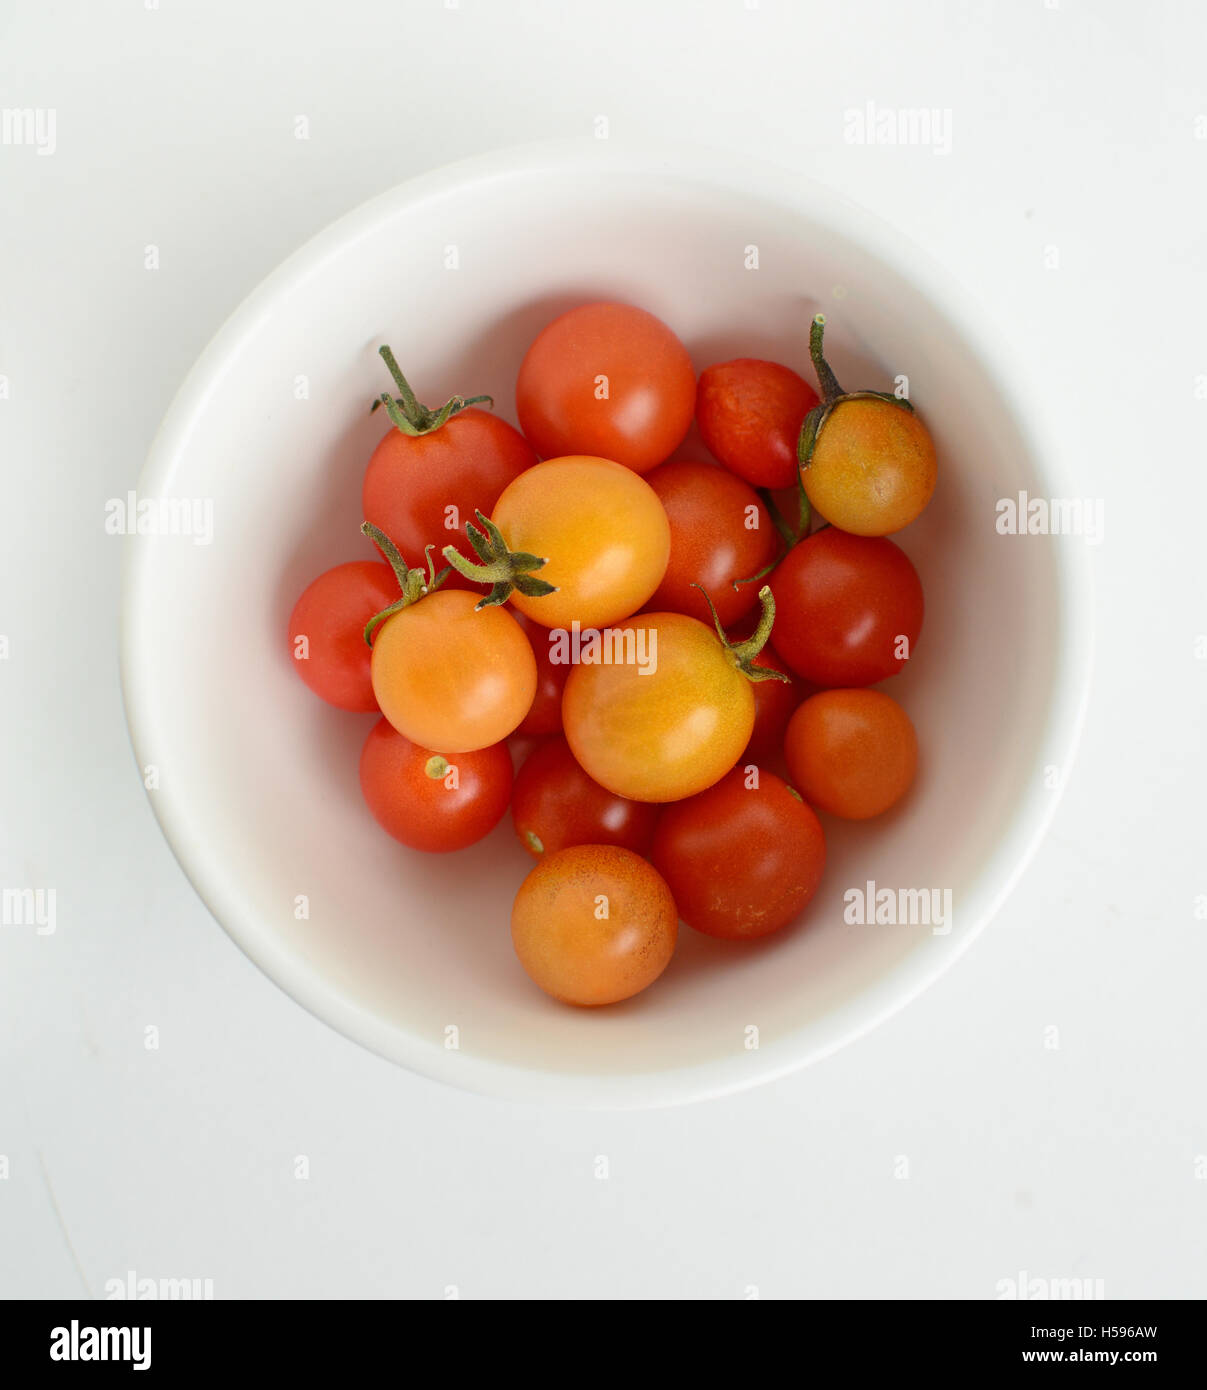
{"points": [[873, 467], [665, 728], [594, 924], [450, 677], [600, 528]]}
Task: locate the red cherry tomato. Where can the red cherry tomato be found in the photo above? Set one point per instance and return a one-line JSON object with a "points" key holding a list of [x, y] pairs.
{"points": [[556, 804], [853, 753], [742, 858], [720, 532], [608, 380], [429, 801], [421, 490], [750, 414], [848, 608], [327, 632], [545, 716]]}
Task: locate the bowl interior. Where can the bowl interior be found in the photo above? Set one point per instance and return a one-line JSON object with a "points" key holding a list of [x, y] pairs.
{"points": [[258, 780]]}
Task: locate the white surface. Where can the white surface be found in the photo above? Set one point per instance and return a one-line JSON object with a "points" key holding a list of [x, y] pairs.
{"points": [[1071, 129]]}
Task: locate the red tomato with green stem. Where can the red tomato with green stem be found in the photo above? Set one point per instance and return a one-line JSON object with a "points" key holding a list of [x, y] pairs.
{"points": [[850, 608], [432, 801], [750, 414], [435, 468], [557, 804], [743, 858], [609, 380], [327, 632], [721, 531]]}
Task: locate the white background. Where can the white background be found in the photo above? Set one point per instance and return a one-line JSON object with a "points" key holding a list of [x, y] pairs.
{"points": [[1074, 127]]}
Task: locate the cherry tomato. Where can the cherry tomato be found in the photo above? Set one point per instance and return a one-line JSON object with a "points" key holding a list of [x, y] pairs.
{"points": [[327, 631], [429, 801], [720, 532], [556, 804], [607, 379], [750, 415], [545, 715], [870, 467], [852, 753], [849, 608], [742, 858], [452, 677], [420, 490], [670, 728], [594, 924], [600, 528]]}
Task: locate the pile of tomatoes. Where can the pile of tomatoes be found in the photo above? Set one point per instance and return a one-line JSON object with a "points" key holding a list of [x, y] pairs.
{"points": [[690, 645]]}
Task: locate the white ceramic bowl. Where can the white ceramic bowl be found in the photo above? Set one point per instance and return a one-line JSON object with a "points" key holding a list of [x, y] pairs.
{"points": [[258, 794]]}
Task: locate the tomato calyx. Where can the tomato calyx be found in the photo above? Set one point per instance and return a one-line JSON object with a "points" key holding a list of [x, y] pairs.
{"points": [[742, 654], [415, 583], [832, 395], [502, 568], [405, 411], [437, 767]]}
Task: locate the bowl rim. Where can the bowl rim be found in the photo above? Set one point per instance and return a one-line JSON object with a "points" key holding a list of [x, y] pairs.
{"points": [[1029, 817]]}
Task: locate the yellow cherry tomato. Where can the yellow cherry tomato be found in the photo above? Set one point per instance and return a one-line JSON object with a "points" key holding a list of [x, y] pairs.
{"points": [[666, 728], [450, 677], [601, 530]]}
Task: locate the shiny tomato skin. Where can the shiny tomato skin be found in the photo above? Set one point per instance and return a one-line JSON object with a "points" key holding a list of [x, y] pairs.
{"points": [[743, 858], [331, 615], [852, 753], [668, 733], [556, 804], [451, 677], [594, 924], [848, 608], [428, 801], [720, 532], [410, 483], [610, 380], [750, 414], [602, 532], [545, 714]]}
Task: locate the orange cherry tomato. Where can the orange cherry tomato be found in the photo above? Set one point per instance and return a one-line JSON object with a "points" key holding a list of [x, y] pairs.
{"points": [[852, 753], [450, 676], [600, 528], [594, 924]]}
